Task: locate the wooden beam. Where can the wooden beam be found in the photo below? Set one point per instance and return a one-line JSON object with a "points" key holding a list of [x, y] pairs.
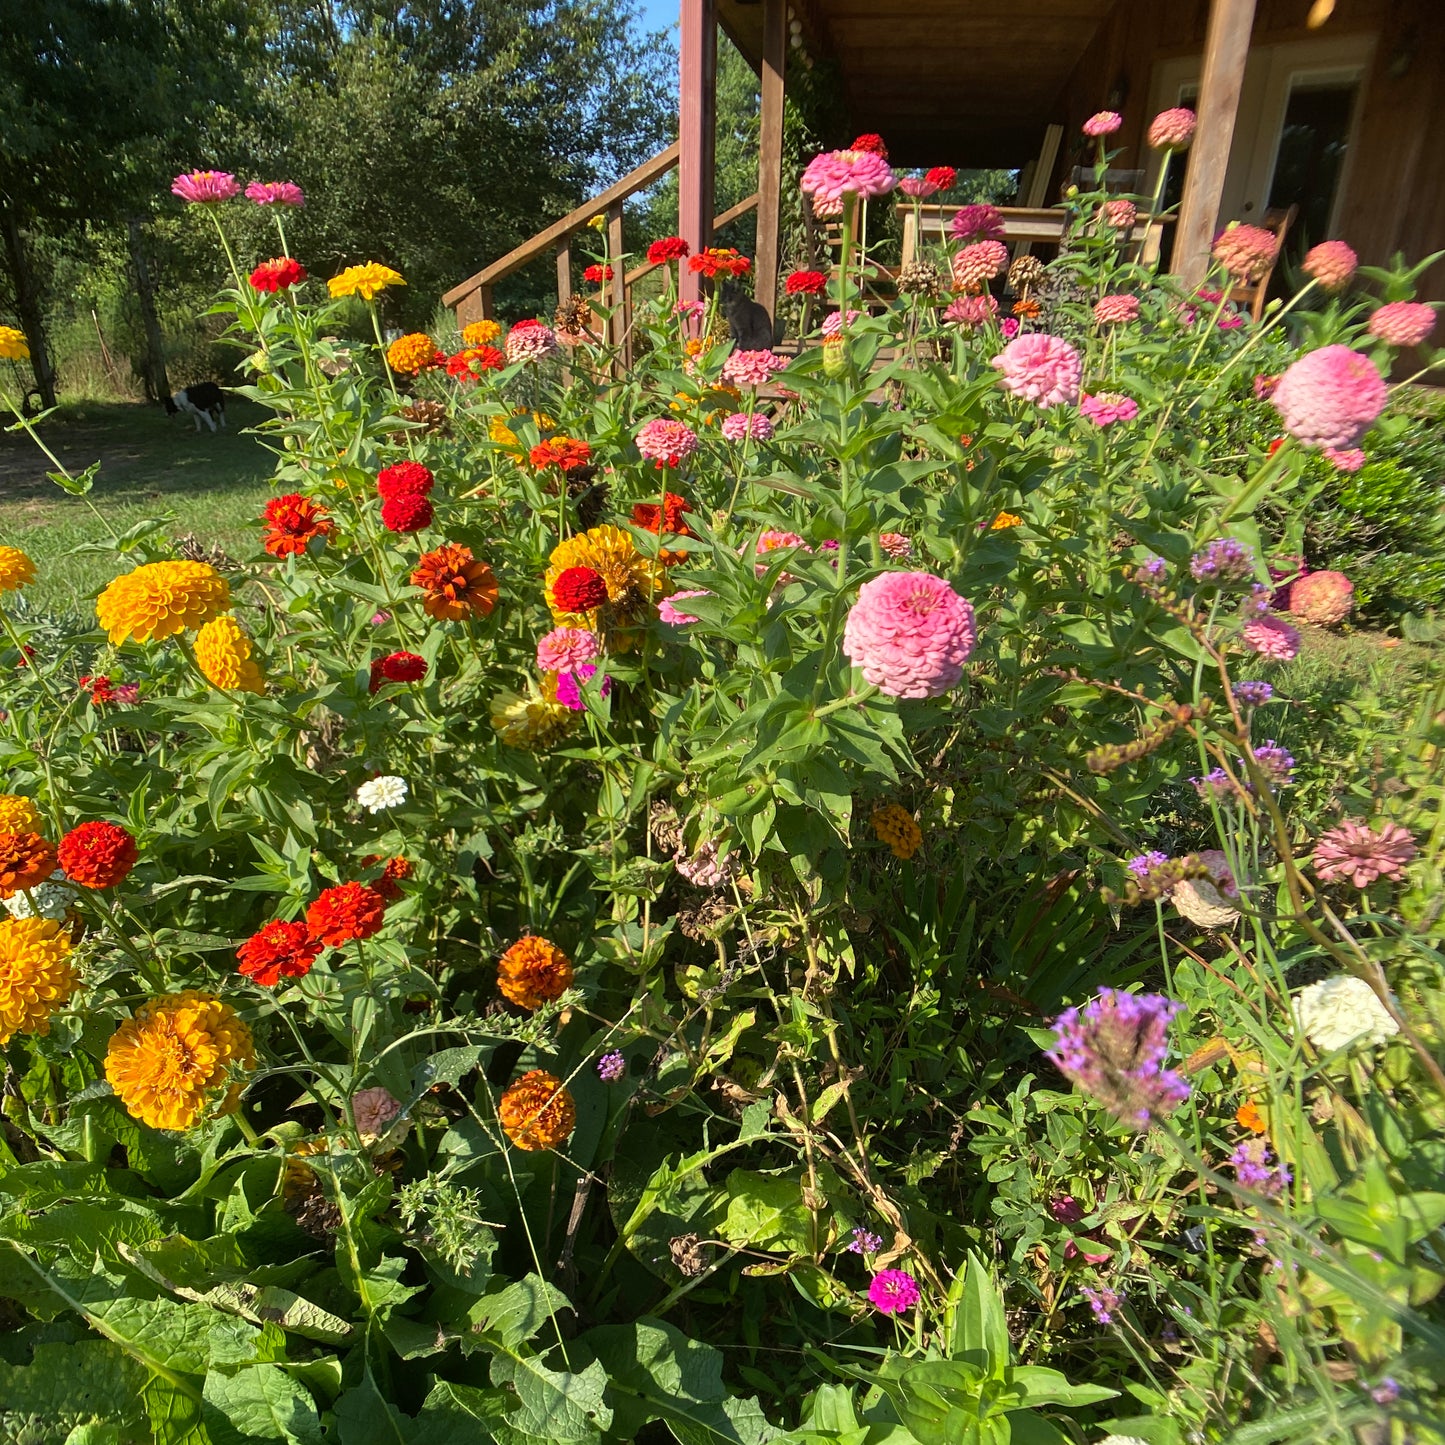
{"points": [[770, 152], [1226, 50], [697, 127]]}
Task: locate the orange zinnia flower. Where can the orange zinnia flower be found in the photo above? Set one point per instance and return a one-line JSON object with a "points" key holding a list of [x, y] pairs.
{"points": [[533, 971], [292, 521], [537, 1112], [25, 860], [456, 583], [565, 453]]}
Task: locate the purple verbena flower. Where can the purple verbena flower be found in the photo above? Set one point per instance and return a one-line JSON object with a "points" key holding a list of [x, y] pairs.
{"points": [[1259, 601], [1215, 784], [1386, 1392], [1103, 1301], [1276, 762], [1151, 571], [1254, 1169], [864, 1242], [1223, 561], [1142, 864], [611, 1067], [1253, 693]]}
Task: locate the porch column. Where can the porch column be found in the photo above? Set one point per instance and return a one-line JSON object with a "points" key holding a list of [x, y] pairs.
{"points": [[770, 151], [1226, 48], [697, 122]]}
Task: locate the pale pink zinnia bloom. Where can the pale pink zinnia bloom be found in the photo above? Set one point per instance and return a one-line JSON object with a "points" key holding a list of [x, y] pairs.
{"points": [[1271, 638], [1403, 323], [1119, 214], [1172, 130], [1107, 407], [1354, 853], [375, 1111], [669, 612], [1323, 598], [909, 633], [666, 442], [896, 545], [835, 174], [565, 649], [1330, 397], [1344, 459], [971, 311], [1102, 123], [1041, 368], [740, 425], [1116, 310], [206, 188], [917, 188], [976, 222], [1246, 252], [1332, 264], [752, 368], [833, 321], [979, 262], [530, 341], [275, 193]]}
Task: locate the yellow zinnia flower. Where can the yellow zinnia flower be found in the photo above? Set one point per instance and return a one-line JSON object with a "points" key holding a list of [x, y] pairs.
{"points": [[1005, 520], [167, 1061], [223, 653], [17, 814], [634, 584], [13, 346], [533, 722], [161, 599], [16, 569], [364, 281], [481, 333], [36, 978], [411, 353], [895, 827]]}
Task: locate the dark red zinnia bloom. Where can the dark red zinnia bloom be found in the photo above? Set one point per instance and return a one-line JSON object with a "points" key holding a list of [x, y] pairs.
{"points": [[97, 855], [396, 667], [942, 177], [406, 513], [278, 950], [579, 589], [404, 479], [648, 514], [597, 274], [870, 142], [292, 521], [807, 283], [668, 248], [348, 911]]}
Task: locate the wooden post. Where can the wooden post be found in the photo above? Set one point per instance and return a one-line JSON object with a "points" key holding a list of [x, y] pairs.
{"points": [[697, 122], [770, 152], [617, 290], [475, 306], [564, 271], [1226, 49]]}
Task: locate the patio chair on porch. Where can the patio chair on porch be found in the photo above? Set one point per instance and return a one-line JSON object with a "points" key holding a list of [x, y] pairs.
{"points": [[1278, 221], [825, 245]]}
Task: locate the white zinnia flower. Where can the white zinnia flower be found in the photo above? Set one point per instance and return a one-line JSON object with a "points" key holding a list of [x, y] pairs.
{"points": [[384, 792], [1343, 1010], [52, 898]]}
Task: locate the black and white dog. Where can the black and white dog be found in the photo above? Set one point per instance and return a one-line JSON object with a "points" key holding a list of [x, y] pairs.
{"points": [[203, 400]]}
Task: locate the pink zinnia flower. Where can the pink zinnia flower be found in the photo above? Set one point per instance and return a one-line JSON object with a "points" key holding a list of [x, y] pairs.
{"points": [[206, 188], [978, 222], [1323, 598], [740, 425], [1116, 310], [971, 311], [1347, 459], [918, 188], [893, 1291], [1246, 252], [751, 368], [1172, 130], [275, 193], [569, 688], [666, 442], [565, 649], [835, 174], [896, 545], [1102, 123], [909, 633], [1041, 368], [1264, 386], [1355, 854], [1119, 214], [530, 341], [1332, 264], [1403, 323], [979, 262], [1010, 327], [1108, 407], [833, 321], [1330, 397], [1271, 638], [669, 612]]}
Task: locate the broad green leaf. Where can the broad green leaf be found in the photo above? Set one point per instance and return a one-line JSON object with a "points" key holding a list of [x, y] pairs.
{"points": [[1037, 1385], [509, 1318], [979, 1324], [553, 1405], [767, 1212], [454, 1413], [363, 1417], [87, 1380], [261, 1402]]}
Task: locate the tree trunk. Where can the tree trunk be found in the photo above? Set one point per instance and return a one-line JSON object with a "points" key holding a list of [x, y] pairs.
{"points": [[27, 304], [158, 384]]}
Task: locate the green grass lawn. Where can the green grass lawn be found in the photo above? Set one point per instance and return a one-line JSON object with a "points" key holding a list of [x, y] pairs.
{"points": [[152, 465]]}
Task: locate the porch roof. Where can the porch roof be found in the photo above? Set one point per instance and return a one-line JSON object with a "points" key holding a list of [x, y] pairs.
{"points": [[965, 82]]}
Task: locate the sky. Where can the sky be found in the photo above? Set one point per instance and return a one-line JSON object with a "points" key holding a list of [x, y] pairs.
{"points": [[657, 14]]}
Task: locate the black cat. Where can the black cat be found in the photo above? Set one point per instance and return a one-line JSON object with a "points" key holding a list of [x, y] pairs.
{"points": [[748, 320]]}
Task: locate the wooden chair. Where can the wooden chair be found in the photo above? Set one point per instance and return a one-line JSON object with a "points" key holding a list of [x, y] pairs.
{"points": [[825, 246], [1278, 221]]}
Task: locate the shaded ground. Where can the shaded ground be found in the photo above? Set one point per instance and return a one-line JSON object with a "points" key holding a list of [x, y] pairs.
{"points": [[152, 465]]}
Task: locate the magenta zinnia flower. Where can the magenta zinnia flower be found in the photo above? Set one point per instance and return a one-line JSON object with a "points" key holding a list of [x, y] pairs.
{"points": [[979, 262], [1108, 407], [1172, 130], [664, 441], [1355, 854], [275, 193], [751, 368], [910, 634], [1330, 397], [565, 649], [1323, 598], [669, 612], [1102, 123], [971, 311], [833, 321], [740, 425], [205, 188], [1116, 310], [1271, 638], [530, 341], [1331, 263], [835, 174], [1246, 252], [978, 222], [893, 1291], [1403, 323], [1041, 368]]}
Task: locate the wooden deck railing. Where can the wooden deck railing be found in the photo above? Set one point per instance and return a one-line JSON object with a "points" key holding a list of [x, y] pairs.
{"points": [[472, 299]]}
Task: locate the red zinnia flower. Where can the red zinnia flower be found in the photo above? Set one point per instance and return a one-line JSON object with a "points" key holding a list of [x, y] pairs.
{"points": [[669, 248], [279, 950], [350, 910], [97, 855], [465, 364], [406, 513], [597, 274], [100, 687], [579, 589], [717, 261], [563, 452], [648, 514], [941, 177], [395, 870], [404, 479], [293, 521], [278, 275], [26, 653], [396, 667], [870, 142], [807, 283]]}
